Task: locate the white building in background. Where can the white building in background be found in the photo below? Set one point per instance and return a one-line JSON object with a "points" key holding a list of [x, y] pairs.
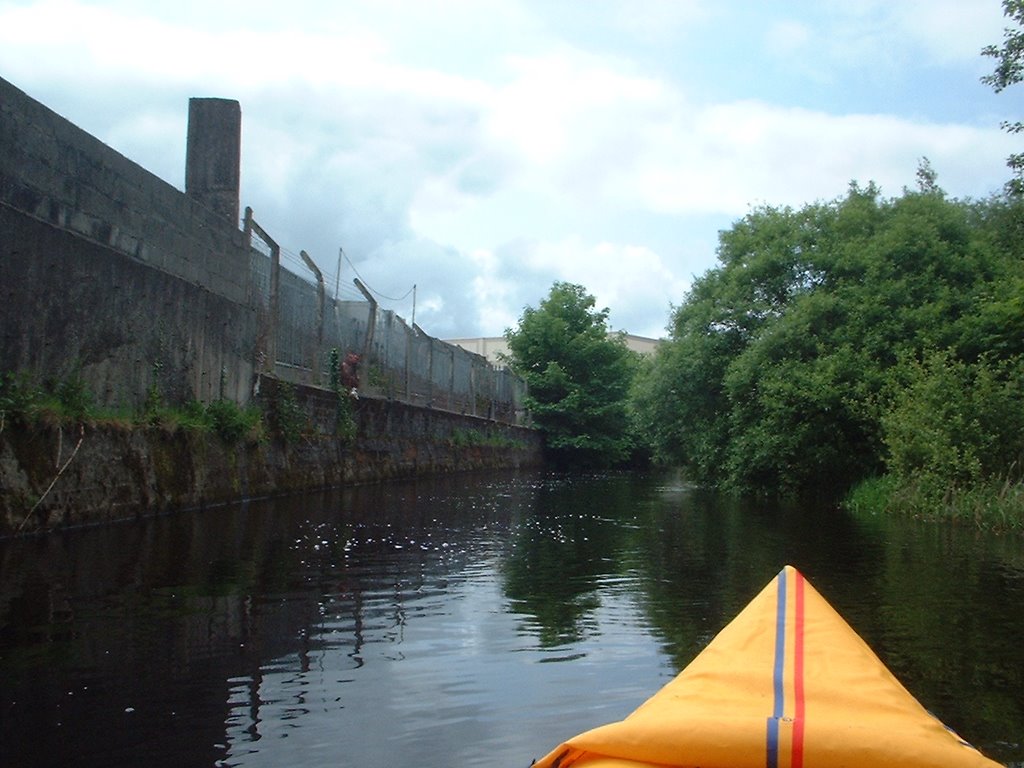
{"points": [[492, 347]]}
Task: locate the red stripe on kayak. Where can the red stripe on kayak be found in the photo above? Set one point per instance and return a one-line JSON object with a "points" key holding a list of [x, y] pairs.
{"points": [[798, 673]]}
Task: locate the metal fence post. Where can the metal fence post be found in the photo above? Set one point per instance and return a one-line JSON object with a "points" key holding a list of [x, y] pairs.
{"points": [[320, 292], [275, 288]]}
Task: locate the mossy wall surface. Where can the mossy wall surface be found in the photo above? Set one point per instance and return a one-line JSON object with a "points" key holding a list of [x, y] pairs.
{"points": [[121, 472]]}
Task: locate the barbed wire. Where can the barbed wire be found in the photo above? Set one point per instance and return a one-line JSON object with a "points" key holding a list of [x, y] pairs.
{"points": [[294, 263], [369, 288]]}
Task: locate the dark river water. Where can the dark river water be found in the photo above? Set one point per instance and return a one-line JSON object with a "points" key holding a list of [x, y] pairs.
{"points": [[464, 620]]}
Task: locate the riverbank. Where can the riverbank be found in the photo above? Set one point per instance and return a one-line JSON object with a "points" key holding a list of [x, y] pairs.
{"points": [[57, 475], [994, 504]]}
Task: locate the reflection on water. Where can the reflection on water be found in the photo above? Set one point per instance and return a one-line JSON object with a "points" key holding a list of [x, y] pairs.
{"points": [[460, 619]]}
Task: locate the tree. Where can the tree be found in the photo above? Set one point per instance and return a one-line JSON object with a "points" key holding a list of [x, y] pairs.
{"points": [[953, 423], [782, 358], [1009, 71], [577, 375]]}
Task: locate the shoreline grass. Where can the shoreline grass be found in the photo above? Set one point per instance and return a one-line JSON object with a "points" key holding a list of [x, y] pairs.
{"points": [[994, 504]]}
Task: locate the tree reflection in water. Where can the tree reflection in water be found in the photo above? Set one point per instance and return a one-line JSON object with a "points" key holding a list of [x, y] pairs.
{"points": [[418, 622]]}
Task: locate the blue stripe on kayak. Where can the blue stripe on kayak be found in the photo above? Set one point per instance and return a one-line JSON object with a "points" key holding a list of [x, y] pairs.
{"points": [[777, 675]]}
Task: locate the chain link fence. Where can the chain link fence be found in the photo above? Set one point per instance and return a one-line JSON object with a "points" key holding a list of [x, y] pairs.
{"points": [[301, 325]]}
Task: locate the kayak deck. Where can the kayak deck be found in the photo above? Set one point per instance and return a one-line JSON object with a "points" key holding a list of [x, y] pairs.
{"points": [[787, 684]]}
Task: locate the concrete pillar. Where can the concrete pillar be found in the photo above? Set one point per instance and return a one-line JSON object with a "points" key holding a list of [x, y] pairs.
{"points": [[214, 155]]}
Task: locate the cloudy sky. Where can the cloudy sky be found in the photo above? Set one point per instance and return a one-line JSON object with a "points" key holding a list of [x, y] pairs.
{"points": [[483, 149]]}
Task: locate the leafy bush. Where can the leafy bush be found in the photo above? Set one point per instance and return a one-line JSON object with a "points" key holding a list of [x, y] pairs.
{"points": [[231, 422], [18, 398], [785, 356], [287, 419], [954, 436], [954, 423], [344, 419]]}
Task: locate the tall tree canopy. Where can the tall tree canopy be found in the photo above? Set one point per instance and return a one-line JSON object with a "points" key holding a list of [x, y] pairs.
{"points": [[1010, 70], [785, 358], [578, 377]]}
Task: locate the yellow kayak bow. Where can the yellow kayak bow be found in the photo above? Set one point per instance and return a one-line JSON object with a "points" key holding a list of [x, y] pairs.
{"points": [[787, 684]]}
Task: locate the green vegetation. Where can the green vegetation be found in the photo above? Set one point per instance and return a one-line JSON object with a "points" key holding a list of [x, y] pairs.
{"points": [[24, 402], [224, 418], [286, 417], [467, 438], [67, 401], [858, 338], [954, 442], [233, 423], [863, 343], [344, 420], [1010, 70], [17, 399], [578, 378]]}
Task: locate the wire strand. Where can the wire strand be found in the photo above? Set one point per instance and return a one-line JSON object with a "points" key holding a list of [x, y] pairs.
{"points": [[371, 290], [294, 263]]}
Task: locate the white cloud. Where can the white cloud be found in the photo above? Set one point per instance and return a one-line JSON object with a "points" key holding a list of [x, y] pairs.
{"points": [[485, 148], [556, 101], [870, 33], [788, 36], [949, 30], [633, 281], [655, 20], [730, 156]]}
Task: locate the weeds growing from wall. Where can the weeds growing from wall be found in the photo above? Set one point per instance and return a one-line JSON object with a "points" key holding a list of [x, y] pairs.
{"points": [[154, 400], [287, 419], [18, 399], [344, 419], [23, 401], [226, 419], [69, 401], [75, 401], [466, 438], [232, 423]]}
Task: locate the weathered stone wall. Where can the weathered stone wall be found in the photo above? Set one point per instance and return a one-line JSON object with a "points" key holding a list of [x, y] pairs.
{"points": [[71, 307], [108, 271], [214, 154], [61, 175], [121, 472], [113, 276], [110, 275]]}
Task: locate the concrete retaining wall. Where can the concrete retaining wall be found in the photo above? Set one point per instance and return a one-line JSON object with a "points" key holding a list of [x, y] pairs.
{"points": [[70, 307], [121, 472], [63, 176], [110, 274]]}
